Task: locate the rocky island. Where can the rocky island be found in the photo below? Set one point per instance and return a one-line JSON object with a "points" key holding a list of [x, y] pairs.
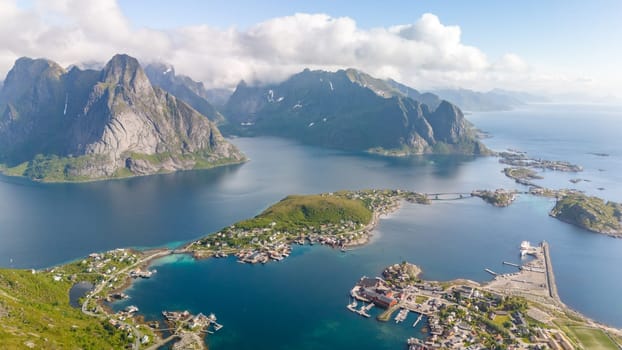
{"points": [[84, 125], [590, 213], [498, 198], [520, 159]]}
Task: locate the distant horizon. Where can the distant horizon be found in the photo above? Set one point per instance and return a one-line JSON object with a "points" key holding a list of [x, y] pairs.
{"points": [[548, 49]]}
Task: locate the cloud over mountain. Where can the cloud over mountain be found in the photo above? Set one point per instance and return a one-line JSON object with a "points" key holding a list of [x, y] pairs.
{"points": [[425, 54]]}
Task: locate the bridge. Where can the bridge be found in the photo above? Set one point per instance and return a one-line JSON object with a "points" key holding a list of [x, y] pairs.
{"points": [[448, 196]]}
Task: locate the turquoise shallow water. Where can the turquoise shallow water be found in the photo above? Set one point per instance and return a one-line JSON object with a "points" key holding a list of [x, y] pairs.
{"points": [[300, 302]]}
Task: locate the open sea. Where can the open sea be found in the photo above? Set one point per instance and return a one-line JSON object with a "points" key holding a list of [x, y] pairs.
{"points": [[299, 303]]}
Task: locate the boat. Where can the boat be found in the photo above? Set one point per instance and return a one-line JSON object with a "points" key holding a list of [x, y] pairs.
{"points": [[525, 246], [401, 316], [352, 306], [131, 309]]}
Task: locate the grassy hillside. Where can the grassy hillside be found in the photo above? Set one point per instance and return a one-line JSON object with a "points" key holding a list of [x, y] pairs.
{"points": [[35, 312], [296, 212], [52, 168]]}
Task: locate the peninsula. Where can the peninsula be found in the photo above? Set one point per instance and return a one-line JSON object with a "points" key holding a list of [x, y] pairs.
{"points": [[337, 219]]}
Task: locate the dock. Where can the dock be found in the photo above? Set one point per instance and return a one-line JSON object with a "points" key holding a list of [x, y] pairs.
{"points": [[362, 310], [402, 315], [491, 272], [418, 320], [511, 264]]}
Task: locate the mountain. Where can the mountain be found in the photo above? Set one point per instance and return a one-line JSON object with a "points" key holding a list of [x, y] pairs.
{"points": [[349, 110], [59, 125], [427, 98], [389, 88], [184, 88]]}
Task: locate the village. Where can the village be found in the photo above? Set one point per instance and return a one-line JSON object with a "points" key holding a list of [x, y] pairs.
{"points": [[464, 314], [267, 243]]}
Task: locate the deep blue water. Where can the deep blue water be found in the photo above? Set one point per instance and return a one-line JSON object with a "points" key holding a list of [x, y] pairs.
{"points": [[300, 302], [46, 224]]}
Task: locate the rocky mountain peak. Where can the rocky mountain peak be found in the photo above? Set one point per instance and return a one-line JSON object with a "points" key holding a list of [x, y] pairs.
{"points": [[28, 74], [123, 70], [89, 124]]}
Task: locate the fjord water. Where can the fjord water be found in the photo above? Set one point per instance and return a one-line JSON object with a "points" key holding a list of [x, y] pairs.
{"points": [[46, 224], [300, 302]]}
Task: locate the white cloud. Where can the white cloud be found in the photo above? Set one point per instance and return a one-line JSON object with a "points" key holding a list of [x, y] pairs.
{"points": [[424, 54]]}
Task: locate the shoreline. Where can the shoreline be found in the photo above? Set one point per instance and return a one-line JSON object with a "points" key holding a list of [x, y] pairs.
{"points": [[372, 226], [4, 169], [146, 258]]}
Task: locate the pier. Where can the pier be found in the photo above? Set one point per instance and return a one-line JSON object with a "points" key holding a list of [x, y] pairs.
{"points": [[511, 264], [491, 272], [418, 320], [363, 311], [550, 277]]}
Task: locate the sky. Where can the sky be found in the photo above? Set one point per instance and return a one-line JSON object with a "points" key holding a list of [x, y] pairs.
{"points": [[547, 47]]}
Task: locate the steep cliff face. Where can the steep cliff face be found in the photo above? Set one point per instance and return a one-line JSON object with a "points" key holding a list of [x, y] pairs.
{"points": [[350, 110], [97, 124], [184, 88]]}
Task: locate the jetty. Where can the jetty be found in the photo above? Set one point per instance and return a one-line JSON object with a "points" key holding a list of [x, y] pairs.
{"points": [[511, 264], [352, 306], [550, 277], [491, 272], [363, 310], [418, 320]]}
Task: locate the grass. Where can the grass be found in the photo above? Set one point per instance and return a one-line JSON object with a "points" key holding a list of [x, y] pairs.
{"points": [[501, 319], [420, 299], [35, 309], [590, 338], [521, 173], [297, 212], [52, 168], [17, 170], [585, 336]]}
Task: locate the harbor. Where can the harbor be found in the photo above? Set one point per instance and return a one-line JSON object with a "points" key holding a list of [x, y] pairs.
{"points": [[463, 314]]}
